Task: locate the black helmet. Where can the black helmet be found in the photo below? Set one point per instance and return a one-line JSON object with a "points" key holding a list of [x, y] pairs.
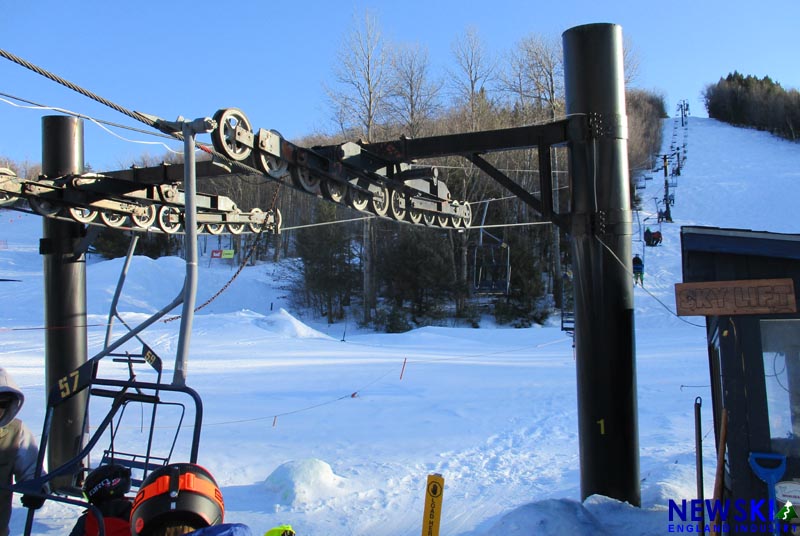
{"points": [[107, 482], [179, 492]]}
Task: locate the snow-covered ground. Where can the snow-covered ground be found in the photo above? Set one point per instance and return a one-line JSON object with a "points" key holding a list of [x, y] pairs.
{"points": [[313, 425]]}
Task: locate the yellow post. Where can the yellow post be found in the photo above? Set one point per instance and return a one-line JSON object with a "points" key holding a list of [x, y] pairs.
{"points": [[433, 505]]}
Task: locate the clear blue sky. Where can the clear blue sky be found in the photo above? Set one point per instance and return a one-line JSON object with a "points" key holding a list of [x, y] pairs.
{"points": [[271, 58]]}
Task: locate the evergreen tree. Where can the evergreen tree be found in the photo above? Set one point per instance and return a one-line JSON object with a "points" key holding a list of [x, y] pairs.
{"points": [[329, 269]]}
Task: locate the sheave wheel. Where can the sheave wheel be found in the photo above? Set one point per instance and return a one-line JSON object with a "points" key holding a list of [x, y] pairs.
{"points": [[380, 201], [235, 228], [6, 200], [224, 136], [169, 219], [302, 178], [357, 199], [113, 219], [468, 215], [271, 165], [332, 190], [82, 215], [397, 206], [256, 227], [463, 221], [43, 207], [215, 228], [145, 218]]}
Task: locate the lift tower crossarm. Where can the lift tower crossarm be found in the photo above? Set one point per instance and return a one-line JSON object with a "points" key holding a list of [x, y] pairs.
{"points": [[486, 141], [472, 145]]}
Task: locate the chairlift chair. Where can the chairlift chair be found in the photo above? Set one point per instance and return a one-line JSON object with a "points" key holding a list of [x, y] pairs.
{"points": [[491, 269], [120, 393]]}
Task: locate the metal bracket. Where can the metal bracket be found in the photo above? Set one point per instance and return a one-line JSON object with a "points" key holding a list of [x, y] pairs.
{"points": [[608, 126], [198, 126]]}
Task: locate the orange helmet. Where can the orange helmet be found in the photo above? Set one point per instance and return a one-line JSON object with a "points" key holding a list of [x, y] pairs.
{"points": [[182, 492]]}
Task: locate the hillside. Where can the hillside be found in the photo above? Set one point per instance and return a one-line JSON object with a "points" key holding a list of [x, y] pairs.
{"points": [[334, 430]]}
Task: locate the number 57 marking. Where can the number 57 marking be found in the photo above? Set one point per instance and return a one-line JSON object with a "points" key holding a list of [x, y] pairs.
{"points": [[64, 384]]}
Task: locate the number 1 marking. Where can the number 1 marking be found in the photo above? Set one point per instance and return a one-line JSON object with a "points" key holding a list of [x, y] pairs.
{"points": [[602, 423]]}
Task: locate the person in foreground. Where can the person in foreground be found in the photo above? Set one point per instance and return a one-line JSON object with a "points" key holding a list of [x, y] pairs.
{"points": [[18, 450], [183, 498], [105, 487]]}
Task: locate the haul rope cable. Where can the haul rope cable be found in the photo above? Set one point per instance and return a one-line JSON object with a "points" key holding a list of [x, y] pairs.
{"points": [[141, 117], [146, 120], [132, 114]]}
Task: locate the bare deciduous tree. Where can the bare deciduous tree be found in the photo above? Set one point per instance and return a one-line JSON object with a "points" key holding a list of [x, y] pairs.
{"points": [[358, 100], [474, 70], [630, 61], [414, 96], [534, 77]]}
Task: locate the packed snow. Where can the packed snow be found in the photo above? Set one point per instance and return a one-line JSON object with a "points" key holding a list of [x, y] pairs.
{"points": [[333, 429]]}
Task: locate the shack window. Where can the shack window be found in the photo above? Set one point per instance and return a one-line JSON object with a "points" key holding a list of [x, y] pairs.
{"points": [[780, 343]]}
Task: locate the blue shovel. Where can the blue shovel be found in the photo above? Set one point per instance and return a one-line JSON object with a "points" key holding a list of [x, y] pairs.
{"points": [[769, 475]]}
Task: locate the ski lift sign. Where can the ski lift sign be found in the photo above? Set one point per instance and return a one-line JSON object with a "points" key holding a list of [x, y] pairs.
{"points": [[222, 253], [743, 297], [434, 491]]}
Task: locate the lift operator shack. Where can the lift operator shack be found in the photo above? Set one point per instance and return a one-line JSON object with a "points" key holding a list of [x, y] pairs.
{"points": [[745, 283]]}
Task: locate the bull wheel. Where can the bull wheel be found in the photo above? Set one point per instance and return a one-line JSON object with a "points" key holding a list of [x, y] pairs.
{"points": [[229, 120], [443, 221], [414, 215], [429, 218]]}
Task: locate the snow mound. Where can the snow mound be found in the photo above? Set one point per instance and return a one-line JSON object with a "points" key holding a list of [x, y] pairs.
{"points": [[302, 482], [286, 325], [553, 517]]}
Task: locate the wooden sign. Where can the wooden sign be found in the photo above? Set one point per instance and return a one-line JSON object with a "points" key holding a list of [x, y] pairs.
{"points": [[744, 297]]}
